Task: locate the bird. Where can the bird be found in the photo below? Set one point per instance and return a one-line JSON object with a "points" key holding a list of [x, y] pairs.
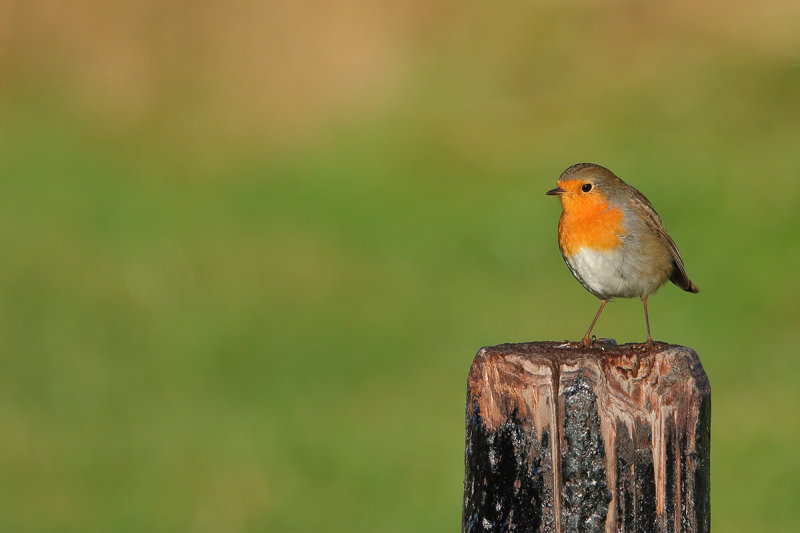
{"points": [[613, 241]]}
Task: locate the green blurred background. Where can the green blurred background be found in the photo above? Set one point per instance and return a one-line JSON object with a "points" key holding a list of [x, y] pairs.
{"points": [[250, 249]]}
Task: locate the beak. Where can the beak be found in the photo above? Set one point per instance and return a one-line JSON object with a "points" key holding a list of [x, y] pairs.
{"points": [[558, 191]]}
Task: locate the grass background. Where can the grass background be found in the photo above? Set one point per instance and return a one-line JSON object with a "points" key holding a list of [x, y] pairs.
{"points": [[250, 250]]}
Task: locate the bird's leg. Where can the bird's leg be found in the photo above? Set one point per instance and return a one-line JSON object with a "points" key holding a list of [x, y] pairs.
{"points": [[649, 341], [586, 340]]}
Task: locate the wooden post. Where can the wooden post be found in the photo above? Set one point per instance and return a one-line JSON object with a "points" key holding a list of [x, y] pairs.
{"points": [[608, 439]]}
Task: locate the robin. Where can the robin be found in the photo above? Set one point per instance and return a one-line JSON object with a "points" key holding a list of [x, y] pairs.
{"points": [[612, 239]]}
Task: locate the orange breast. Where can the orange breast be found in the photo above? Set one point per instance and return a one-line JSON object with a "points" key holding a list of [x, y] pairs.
{"points": [[588, 223]]}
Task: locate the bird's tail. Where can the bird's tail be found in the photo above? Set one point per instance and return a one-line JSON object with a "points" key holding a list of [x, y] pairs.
{"points": [[680, 279]]}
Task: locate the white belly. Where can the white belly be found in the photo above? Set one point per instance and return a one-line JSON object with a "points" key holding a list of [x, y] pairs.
{"points": [[612, 274]]}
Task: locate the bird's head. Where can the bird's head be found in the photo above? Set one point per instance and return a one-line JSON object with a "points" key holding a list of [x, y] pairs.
{"points": [[586, 187]]}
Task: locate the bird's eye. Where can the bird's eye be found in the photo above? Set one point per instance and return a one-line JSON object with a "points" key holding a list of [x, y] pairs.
{"points": [[586, 187]]}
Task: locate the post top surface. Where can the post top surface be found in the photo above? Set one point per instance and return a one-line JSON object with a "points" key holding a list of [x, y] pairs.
{"points": [[634, 361], [600, 347], [566, 352]]}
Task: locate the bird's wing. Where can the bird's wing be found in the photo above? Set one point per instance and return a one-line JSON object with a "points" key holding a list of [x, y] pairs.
{"points": [[641, 204]]}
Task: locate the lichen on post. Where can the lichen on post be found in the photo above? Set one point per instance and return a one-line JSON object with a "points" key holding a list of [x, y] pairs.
{"points": [[607, 439]]}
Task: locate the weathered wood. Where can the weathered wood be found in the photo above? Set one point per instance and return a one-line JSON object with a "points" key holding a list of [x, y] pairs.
{"points": [[607, 439]]}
